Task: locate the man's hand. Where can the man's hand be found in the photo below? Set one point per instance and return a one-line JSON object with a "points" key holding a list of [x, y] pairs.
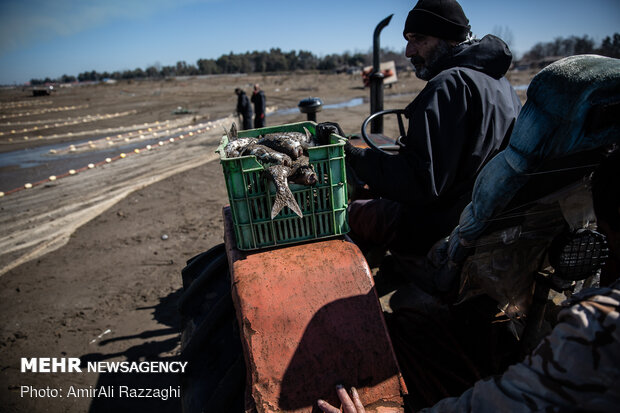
{"points": [[324, 129], [348, 406]]}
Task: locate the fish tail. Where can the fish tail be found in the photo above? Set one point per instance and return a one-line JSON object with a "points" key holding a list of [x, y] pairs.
{"points": [[284, 196]]}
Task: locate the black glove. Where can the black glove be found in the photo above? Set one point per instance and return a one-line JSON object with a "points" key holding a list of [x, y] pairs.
{"points": [[324, 129]]}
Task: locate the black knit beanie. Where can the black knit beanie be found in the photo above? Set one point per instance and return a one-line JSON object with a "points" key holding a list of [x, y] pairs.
{"points": [[440, 18]]}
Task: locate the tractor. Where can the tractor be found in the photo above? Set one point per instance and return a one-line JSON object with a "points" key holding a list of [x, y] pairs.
{"points": [[287, 308]]}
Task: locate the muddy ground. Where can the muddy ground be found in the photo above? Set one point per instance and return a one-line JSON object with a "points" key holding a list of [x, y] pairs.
{"points": [[90, 263]]}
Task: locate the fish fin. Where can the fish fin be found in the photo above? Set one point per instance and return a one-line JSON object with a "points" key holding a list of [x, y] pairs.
{"points": [[284, 196], [310, 141], [232, 134]]}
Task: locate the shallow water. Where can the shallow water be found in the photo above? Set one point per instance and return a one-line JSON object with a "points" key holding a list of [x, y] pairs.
{"points": [[36, 164], [348, 104]]}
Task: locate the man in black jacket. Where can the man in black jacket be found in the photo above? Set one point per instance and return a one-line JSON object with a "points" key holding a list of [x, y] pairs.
{"points": [[244, 109], [258, 99], [458, 122]]}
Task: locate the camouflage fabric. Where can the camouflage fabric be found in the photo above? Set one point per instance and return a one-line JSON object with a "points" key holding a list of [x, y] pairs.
{"points": [[575, 368]]}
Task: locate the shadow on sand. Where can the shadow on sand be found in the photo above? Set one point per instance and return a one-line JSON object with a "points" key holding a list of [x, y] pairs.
{"points": [[166, 314]]}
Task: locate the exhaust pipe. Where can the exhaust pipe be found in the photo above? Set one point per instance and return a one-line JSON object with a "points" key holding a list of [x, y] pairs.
{"points": [[376, 78]]}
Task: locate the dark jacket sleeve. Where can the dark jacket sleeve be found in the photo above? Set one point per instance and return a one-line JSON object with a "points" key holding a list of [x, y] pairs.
{"points": [[425, 169]]}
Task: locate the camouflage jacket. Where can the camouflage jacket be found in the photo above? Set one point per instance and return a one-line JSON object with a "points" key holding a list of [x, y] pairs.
{"points": [[575, 368]]}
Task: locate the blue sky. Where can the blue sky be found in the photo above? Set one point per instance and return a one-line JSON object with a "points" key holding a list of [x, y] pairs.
{"points": [[41, 38]]}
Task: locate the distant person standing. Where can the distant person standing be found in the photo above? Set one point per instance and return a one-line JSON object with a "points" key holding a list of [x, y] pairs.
{"points": [[244, 109], [258, 99]]}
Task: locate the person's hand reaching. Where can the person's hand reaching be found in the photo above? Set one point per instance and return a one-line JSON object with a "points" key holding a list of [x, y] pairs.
{"points": [[350, 404]]}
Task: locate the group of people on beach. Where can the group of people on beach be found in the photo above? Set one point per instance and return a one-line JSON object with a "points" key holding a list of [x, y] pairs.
{"points": [[244, 107]]}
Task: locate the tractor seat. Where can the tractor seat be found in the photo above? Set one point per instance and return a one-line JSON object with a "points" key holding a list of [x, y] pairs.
{"points": [[567, 124]]}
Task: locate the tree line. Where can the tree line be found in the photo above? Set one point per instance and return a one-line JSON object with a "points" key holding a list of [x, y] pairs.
{"points": [[573, 45], [275, 60]]}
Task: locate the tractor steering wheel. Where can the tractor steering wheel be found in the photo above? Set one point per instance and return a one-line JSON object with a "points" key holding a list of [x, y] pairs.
{"points": [[386, 148]]}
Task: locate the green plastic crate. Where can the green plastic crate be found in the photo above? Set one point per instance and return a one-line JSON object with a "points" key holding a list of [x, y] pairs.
{"points": [[251, 195]]}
